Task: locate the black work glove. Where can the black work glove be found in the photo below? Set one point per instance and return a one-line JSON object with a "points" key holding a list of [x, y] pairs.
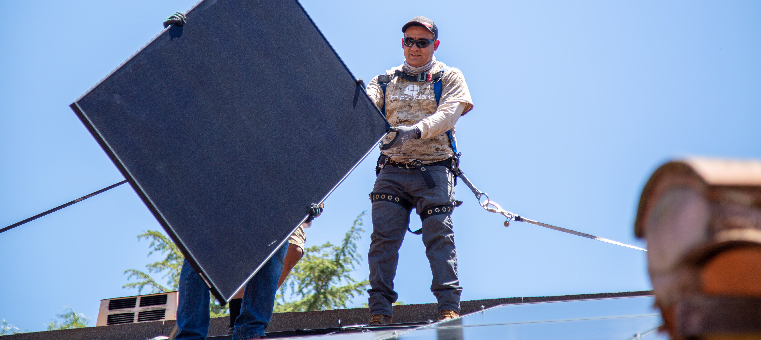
{"points": [[403, 134], [175, 19], [314, 211]]}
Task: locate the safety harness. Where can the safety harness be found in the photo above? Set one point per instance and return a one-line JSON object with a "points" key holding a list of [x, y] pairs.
{"points": [[423, 77], [451, 163], [435, 78]]}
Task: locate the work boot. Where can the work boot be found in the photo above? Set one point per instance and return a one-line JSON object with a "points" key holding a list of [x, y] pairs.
{"points": [[379, 320], [448, 314]]}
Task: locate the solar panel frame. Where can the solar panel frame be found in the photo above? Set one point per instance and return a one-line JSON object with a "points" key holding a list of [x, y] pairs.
{"points": [[229, 126]]}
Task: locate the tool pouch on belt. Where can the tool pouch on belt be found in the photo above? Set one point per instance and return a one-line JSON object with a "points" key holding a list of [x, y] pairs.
{"points": [[702, 222]]}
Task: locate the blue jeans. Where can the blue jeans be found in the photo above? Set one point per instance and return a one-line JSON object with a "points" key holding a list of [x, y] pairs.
{"points": [[256, 310]]}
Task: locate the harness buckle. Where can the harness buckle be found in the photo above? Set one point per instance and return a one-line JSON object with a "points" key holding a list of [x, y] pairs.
{"points": [[423, 77], [416, 164]]}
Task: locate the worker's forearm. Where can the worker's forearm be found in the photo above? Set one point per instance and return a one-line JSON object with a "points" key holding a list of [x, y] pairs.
{"points": [[444, 119], [292, 257]]}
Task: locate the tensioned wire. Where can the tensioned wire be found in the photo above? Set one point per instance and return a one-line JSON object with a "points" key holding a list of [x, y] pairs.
{"points": [[61, 206]]}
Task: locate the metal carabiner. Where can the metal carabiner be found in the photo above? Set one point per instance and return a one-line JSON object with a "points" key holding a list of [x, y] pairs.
{"points": [[488, 205], [493, 207], [478, 197]]}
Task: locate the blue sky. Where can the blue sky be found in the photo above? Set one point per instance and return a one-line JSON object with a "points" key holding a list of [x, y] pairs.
{"points": [[576, 104]]}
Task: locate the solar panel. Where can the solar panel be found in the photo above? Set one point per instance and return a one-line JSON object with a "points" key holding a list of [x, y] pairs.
{"points": [[229, 127], [616, 318], [610, 319]]}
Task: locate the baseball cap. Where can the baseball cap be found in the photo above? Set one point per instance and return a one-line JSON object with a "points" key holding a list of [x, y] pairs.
{"points": [[424, 22]]}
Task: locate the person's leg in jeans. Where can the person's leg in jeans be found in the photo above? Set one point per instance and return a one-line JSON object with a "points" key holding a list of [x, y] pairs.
{"points": [[292, 257], [193, 305], [390, 221], [259, 298], [438, 237]]}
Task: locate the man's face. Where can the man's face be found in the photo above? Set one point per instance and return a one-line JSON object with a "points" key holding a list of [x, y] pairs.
{"points": [[414, 55]]}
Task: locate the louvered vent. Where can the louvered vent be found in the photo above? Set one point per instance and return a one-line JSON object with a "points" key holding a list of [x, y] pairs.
{"points": [[122, 303], [115, 319], [151, 315], [134, 309], [153, 300]]}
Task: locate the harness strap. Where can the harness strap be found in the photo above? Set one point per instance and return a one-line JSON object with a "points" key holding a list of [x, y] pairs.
{"points": [[450, 163], [383, 81], [429, 183], [439, 210], [445, 209], [422, 77], [382, 160], [437, 89], [384, 197]]}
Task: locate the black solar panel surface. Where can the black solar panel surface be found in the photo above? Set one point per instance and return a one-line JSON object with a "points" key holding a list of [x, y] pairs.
{"points": [[230, 126]]}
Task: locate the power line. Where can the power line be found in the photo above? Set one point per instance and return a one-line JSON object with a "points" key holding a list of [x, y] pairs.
{"points": [[61, 206]]}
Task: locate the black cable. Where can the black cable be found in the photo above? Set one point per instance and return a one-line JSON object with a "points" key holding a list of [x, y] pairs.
{"points": [[61, 207]]}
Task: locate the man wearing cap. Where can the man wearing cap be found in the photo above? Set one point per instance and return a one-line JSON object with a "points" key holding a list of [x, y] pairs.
{"points": [[415, 169]]}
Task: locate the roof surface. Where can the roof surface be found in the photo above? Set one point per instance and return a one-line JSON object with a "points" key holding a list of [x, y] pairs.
{"points": [[410, 321]]}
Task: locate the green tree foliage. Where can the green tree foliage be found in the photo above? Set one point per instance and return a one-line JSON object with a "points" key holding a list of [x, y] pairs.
{"points": [[9, 329], [170, 266], [322, 279], [69, 319]]}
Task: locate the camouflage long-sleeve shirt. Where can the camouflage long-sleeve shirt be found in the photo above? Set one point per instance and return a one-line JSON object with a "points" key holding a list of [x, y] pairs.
{"points": [[409, 103]]}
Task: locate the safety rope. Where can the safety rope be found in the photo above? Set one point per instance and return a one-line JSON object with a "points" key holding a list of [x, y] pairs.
{"points": [[493, 207], [61, 207], [638, 336]]}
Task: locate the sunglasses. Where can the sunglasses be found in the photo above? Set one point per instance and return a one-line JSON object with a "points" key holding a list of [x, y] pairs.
{"points": [[422, 43]]}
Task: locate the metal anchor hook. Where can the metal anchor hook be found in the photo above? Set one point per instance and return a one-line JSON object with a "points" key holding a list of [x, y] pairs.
{"points": [[493, 207]]}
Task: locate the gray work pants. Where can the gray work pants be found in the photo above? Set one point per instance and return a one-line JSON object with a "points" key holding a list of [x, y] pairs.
{"points": [[390, 222]]}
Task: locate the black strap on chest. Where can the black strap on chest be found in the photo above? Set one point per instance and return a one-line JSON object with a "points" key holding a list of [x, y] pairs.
{"points": [[424, 77]]}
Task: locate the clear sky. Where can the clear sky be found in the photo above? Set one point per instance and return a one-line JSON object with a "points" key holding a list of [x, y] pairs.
{"points": [[576, 104]]}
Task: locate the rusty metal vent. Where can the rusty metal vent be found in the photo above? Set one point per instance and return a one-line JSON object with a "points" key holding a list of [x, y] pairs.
{"points": [[115, 319], [153, 300], [122, 303], [151, 315]]}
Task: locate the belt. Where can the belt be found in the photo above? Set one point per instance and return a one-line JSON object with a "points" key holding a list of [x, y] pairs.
{"points": [[384, 160], [417, 164]]}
